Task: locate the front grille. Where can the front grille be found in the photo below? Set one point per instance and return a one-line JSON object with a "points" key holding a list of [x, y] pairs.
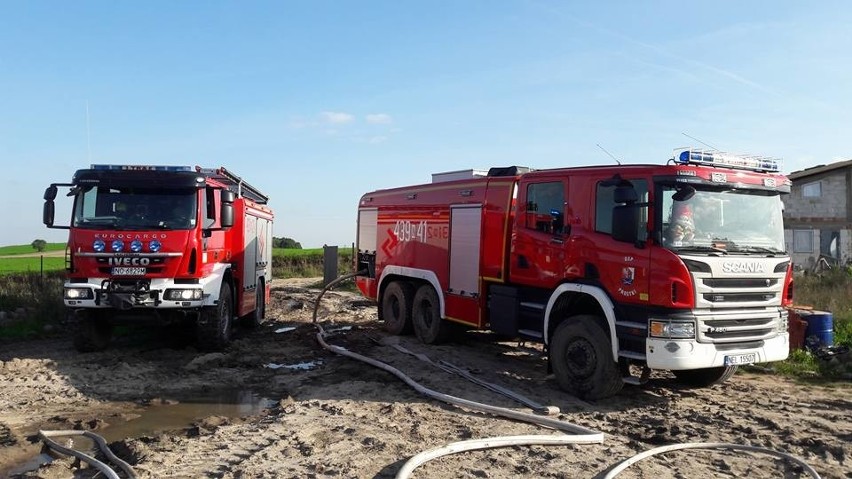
{"points": [[740, 282], [728, 335], [738, 327], [731, 323], [738, 297]]}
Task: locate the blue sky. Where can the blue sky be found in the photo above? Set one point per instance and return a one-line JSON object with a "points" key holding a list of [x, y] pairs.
{"points": [[318, 102]]}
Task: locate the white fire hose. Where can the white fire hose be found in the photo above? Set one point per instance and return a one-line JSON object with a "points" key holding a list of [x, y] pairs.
{"points": [[581, 435]]}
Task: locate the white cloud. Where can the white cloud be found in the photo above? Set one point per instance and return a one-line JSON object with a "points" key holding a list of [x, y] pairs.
{"points": [[337, 118], [379, 119]]}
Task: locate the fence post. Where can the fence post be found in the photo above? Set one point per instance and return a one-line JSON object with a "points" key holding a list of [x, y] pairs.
{"points": [[329, 264]]}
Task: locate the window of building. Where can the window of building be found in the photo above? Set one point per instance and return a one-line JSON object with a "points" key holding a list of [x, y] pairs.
{"points": [[803, 241], [812, 190], [546, 207], [605, 202]]}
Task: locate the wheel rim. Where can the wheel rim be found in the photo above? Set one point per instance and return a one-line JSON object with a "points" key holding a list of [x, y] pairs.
{"points": [[580, 358]]}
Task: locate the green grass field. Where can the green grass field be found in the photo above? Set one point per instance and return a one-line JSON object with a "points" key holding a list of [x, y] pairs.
{"points": [[31, 264], [28, 249]]}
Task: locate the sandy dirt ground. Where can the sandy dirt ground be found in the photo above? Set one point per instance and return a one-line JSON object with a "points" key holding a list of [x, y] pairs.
{"points": [[341, 418]]}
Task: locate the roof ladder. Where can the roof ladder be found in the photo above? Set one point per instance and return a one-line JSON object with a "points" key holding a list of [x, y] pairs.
{"points": [[235, 184]]}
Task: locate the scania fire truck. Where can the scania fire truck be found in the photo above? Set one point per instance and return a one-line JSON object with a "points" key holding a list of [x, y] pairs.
{"points": [[617, 270], [174, 243]]}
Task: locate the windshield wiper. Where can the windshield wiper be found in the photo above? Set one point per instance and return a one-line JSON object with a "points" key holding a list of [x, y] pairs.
{"points": [[757, 249], [701, 248]]}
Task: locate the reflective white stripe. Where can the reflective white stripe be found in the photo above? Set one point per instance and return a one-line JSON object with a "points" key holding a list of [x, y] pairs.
{"points": [[423, 274], [593, 291]]}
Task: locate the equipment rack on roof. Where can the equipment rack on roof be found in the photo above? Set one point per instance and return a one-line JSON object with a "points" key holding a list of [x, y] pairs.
{"points": [[234, 181]]}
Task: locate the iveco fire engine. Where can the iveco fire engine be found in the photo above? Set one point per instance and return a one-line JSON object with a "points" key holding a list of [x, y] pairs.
{"points": [[179, 244], [617, 270]]}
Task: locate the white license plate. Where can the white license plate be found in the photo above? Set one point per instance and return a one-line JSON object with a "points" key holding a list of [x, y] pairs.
{"points": [[740, 359], [126, 271]]}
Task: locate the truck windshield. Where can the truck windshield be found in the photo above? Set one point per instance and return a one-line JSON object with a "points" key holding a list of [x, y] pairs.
{"points": [[723, 221], [104, 207]]}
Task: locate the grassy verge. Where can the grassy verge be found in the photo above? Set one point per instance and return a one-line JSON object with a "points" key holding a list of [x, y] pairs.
{"points": [[31, 264], [306, 263], [34, 300], [27, 249], [830, 292]]}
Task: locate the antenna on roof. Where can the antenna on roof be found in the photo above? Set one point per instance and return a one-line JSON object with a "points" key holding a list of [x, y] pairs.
{"points": [[699, 141], [88, 135], [608, 153]]}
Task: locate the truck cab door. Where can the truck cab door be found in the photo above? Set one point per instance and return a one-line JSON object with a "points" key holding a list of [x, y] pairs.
{"points": [[538, 247], [622, 255]]}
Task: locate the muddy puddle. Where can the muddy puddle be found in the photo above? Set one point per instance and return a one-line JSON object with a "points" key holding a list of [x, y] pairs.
{"points": [[158, 416]]}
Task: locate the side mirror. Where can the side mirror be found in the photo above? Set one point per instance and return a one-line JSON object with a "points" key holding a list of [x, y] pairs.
{"points": [[50, 193], [625, 223], [625, 193], [684, 193], [228, 197], [49, 210], [227, 213]]}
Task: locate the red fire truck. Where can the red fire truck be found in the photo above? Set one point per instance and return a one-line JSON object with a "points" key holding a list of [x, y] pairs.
{"points": [[174, 243], [680, 266]]}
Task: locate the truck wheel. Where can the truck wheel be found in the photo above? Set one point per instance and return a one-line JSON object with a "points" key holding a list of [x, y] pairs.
{"points": [[581, 357], [256, 317], [700, 378], [426, 316], [396, 307], [93, 332], [213, 330]]}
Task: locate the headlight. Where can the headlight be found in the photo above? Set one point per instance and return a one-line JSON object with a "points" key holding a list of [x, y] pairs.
{"points": [[117, 245], [672, 329], [136, 246], [99, 246], [183, 294], [79, 293], [154, 246]]}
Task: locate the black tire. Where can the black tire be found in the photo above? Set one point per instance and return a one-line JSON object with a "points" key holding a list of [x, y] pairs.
{"points": [[699, 378], [93, 332], [581, 357], [396, 307], [429, 327], [213, 330], [256, 317]]}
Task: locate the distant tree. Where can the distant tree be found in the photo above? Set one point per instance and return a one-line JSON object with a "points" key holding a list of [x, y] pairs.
{"points": [[286, 243], [291, 243], [39, 245]]}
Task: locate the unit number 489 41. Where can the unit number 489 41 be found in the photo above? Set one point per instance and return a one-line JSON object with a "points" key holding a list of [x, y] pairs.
{"points": [[406, 230]]}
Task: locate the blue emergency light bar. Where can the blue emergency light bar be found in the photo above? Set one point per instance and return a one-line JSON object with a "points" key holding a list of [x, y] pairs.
{"points": [[142, 168], [693, 156]]}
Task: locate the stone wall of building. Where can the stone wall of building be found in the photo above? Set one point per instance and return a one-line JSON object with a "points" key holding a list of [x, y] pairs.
{"points": [[830, 204]]}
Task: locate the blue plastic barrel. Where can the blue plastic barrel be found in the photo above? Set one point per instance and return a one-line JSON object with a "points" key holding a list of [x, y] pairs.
{"points": [[821, 326]]}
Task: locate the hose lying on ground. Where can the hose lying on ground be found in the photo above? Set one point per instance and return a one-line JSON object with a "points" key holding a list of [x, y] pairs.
{"points": [[46, 437], [582, 436]]}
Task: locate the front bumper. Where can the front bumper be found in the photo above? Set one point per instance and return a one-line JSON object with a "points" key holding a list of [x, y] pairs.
{"points": [[144, 294], [679, 354]]}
